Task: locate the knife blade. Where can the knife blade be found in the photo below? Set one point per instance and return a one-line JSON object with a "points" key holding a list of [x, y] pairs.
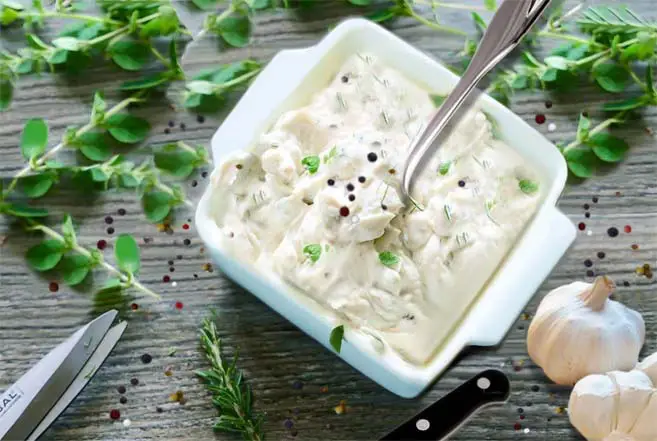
{"points": [[445, 416]]}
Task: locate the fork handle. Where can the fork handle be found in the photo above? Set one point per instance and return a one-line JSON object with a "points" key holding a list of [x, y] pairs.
{"points": [[510, 23]]}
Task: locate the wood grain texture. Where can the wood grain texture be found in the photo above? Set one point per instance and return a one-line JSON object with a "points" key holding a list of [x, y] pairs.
{"points": [[273, 353]]}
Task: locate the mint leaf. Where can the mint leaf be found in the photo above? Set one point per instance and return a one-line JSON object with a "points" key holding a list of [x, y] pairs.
{"points": [[607, 147], [34, 138], [74, 269], [388, 259], [46, 255], [126, 252], [337, 335], [127, 128], [311, 163], [528, 186], [313, 251]]}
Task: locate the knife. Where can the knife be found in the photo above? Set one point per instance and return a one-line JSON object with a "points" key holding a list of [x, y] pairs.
{"points": [[33, 403], [445, 416]]}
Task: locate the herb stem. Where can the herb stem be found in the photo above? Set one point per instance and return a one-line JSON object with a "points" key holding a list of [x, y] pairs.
{"points": [[604, 53], [121, 30], [435, 4], [34, 226], [435, 25], [81, 131], [237, 80], [567, 37], [48, 14], [597, 129], [160, 57]]}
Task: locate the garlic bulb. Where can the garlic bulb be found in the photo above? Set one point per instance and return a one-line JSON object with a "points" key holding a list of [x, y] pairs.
{"points": [[578, 331], [618, 405]]}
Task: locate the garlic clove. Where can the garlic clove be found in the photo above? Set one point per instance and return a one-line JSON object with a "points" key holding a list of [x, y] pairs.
{"points": [[645, 428], [636, 391], [592, 406]]}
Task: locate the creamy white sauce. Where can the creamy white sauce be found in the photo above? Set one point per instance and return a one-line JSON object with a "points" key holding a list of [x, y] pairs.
{"points": [[360, 126]]}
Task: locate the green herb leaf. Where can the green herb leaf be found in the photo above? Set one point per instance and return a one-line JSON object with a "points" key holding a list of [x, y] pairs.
{"points": [[528, 186], [68, 231], [650, 82], [46, 255], [388, 259], [98, 174], [165, 24], [437, 100], [313, 251], [8, 16], [479, 22], [583, 126], [74, 268], [59, 56], [112, 285], [607, 147], [557, 62], [93, 146], [127, 128], [611, 76], [236, 29], [98, 108], [126, 252], [24, 211], [490, 5], [36, 186], [127, 180], [201, 87], [34, 138], [206, 5], [130, 55], [581, 162], [68, 43], [520, 81], [6, 94], [157, 205], [337, 335], [178, 163], [311, 163], [444, 167], [628, 104], [147, 82]]}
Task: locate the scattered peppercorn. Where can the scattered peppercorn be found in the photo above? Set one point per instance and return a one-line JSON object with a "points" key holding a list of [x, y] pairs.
{"points": [[187, 242], [134, 381], [540, 118], [587, 215], [101, 244], [167, 131], [109, 220], [121, 389], [146, 358], [635, 246], [344, 211], [179, 305], [595, 199], [115, 414], [170, 262], [590, 273], [535, 388], [361, 179], [612, 232], [352, 197], [372, 157], [134, 306], [123, 400], [159, 409], [601, 254], [582, 226], [627, 229], [626, 283], [183, 127], [350, 187], [110, 230], [200, 119], [587, 206], [171, 269], [53, 287], [171, 123], [461, 183], [194, 183], [384, 207], [548, 104], [588, 263], [166, 279], [331, 182], [392, 171], [204, 174], [345, 79]]}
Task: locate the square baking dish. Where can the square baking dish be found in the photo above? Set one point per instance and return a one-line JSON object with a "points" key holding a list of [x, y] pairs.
{"points": [[288, 82]]}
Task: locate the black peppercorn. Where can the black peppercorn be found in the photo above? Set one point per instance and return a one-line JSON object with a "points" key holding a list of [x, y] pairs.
{"points": [[372, 157]]}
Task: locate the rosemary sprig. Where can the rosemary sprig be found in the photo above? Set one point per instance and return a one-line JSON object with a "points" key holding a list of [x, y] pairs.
{"points": [[230, 394]]}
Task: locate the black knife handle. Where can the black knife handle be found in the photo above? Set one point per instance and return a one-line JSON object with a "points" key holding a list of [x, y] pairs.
{"points": [[447, 414]]}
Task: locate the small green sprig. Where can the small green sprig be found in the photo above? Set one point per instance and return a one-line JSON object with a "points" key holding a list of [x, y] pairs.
{"points": [[205, 92], [230, 394], [63, 253], [336, 338]]}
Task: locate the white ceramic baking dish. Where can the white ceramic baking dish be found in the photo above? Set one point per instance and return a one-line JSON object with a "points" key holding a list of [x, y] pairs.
{"points": [[288, 82]]}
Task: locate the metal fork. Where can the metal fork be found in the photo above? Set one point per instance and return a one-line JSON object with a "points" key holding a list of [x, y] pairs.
{"points": [[509, 25]]}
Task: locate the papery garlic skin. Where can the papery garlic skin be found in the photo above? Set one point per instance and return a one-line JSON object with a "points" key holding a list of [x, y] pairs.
{"points": [[578, 331], [617, 406]]}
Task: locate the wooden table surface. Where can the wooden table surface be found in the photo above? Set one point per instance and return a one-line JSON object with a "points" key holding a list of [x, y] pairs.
{"points": [[292, 376]]}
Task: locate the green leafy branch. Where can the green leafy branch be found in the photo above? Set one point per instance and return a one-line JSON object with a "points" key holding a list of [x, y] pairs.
{"points": [[230, 395], [128, 40], [74, 263]]}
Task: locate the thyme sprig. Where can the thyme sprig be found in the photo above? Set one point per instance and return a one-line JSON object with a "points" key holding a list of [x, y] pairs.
{"points": [[230, 394]]}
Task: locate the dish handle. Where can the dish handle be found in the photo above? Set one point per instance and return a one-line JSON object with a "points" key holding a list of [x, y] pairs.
{"points": [[551, 237]]}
